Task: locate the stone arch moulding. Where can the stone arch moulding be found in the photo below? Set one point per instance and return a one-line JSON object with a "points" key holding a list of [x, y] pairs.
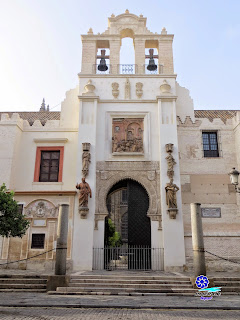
{"points": [[104, 186]]}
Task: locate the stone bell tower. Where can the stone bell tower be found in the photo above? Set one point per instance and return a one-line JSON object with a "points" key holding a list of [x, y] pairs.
{"points": [[127, 115]]}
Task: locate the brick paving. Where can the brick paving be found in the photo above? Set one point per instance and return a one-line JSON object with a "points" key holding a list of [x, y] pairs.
{"points": [[116, 314]]}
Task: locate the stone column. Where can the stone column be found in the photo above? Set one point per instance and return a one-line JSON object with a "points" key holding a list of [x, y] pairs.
{"points": [[197, 240], [62, 235], [89, 56], [115, 45], [165, 54], [139, 47]]}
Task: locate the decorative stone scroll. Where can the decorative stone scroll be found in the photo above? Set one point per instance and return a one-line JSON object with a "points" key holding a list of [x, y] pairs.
{"points": [[127, 135], [86, 158], [84, 192], [171, 188], [41, 209], [115, 91], [139, 91]]}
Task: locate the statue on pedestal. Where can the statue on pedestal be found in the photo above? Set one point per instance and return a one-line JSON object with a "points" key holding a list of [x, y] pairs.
{"points": [[84, 191]]}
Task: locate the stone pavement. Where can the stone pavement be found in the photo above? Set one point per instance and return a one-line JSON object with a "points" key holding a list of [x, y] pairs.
{"points": [[21, 299], [114, 314]]}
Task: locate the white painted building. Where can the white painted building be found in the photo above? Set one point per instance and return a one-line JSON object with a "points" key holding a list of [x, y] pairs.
{"points": [[128, 114]]}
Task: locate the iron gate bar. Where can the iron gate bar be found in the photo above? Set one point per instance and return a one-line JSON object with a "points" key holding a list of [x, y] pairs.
{"points": [[128, 258]]}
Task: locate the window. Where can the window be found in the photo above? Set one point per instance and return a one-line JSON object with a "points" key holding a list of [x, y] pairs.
{"points": [[38, 240], [210, 144], [49, 164], [20, 208]]}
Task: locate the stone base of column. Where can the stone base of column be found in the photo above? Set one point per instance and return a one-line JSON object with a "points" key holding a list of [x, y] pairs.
{"points": [[57, 281]]}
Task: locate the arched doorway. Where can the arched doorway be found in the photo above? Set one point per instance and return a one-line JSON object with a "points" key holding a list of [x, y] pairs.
{"points": [[127, 227]]}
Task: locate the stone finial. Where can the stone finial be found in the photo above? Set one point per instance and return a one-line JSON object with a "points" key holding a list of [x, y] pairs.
{"points": [[165, 87], [126, 11], [90, 31], [89, 89], [112, 15], [141, 16], [43, 107], [164, 31], [48, 107]]}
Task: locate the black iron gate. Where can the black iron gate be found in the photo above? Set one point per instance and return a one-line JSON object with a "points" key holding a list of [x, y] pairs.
{"points": [[136, 251]]}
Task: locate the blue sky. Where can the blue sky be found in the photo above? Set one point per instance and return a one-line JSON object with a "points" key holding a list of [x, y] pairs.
{"points": [[40, 47]]}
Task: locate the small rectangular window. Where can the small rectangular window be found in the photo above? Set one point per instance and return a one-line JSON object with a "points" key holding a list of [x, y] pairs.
{"points": [[20, 208], [210, 144], [49, 166], [38, 240]]}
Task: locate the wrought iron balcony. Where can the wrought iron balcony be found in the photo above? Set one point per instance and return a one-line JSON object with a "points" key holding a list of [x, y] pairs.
{"points": [[127, 68]]}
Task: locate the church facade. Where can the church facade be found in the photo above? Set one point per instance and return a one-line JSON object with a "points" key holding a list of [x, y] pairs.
{"points": [[129, 139]]}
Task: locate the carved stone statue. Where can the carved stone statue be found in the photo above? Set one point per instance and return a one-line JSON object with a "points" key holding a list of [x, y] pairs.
{"points": [[84, 191], [86, 156], [171, 190]]}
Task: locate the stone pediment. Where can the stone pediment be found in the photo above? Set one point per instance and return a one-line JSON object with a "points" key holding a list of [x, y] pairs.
{"points": [[127, 25]]}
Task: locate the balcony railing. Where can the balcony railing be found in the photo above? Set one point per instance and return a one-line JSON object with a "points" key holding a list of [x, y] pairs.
{"points": [[128, 69]]}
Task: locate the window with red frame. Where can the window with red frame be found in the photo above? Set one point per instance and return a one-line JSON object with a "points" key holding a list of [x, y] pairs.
{"points": [[49, 164]]}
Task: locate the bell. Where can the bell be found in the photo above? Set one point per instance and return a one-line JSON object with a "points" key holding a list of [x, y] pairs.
{"points": [[151, 66], [102, 66]]}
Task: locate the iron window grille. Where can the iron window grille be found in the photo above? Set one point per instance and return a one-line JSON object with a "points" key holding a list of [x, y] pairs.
{"points": [[49, 167], [38, 240], [210, 144]]}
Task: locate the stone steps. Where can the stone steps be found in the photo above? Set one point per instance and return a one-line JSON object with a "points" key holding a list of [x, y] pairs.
{"points": [[128, 285], [23, 283]]}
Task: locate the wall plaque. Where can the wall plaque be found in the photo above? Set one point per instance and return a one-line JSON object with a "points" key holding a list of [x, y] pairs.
{"points": [[127, 135], [211, 212]]}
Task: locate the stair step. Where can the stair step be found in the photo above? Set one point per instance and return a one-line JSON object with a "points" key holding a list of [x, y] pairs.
{"points": [[22, 286], [26, 281], [119, 277], [128, 285], [117, 290], [23, 290], [21, 276], [129, 281], [227, 283]]}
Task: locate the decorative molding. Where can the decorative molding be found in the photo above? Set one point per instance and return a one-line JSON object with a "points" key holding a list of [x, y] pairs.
{"points": [[41, 209], [115, 91], [139, 91], [188, 122], [51, 140], [36, 193], [127, 89], [165, 87], [109, 173]]}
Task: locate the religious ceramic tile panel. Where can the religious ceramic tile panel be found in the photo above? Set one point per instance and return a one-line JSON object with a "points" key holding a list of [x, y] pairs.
{"points": [[127, 135]]}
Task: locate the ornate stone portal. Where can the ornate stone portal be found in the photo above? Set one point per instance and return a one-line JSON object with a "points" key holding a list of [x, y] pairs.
{"points": [[171, 188], [127, 135]]}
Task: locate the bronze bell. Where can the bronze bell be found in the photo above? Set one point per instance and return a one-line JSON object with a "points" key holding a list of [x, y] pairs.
{"points": [[151, 66], [102, 66]]}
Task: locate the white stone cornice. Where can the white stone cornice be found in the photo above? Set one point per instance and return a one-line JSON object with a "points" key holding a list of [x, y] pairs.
{"points": [[51, 140], [140, 76]]}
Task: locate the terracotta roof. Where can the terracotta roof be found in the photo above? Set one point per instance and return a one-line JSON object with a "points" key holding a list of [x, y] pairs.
{"points": [[212, 114], [43, 116]]}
